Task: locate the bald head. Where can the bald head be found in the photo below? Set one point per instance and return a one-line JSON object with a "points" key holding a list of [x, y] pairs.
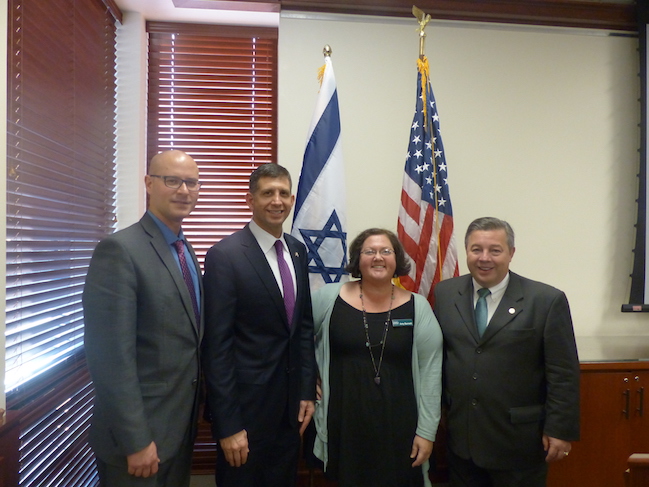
{"points": [[161, 159], [171, 205]]}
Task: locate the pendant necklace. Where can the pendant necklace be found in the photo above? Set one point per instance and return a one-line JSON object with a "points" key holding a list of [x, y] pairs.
{"points": [[377, 370]]}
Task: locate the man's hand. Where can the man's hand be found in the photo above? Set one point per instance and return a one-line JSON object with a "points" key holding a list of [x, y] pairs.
{"points": [[307, 408], [144, 463], [555, 449], [421, 450], [235, 448]]}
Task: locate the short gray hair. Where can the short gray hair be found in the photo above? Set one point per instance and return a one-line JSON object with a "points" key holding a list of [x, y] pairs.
{"points": [[487, 223]]}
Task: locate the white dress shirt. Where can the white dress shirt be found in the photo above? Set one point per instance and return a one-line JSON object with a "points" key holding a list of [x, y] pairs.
{"points": [[493, 300], [266, 242]]}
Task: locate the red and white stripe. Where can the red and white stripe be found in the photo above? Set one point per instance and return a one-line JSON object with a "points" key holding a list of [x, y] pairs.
{"points": [[428, 240]]}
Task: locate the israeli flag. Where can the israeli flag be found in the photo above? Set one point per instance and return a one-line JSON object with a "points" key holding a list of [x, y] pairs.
{"points": [[319, 218]]}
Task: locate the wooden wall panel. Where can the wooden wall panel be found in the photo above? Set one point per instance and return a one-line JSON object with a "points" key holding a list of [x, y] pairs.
{"points": [[565, 13]]}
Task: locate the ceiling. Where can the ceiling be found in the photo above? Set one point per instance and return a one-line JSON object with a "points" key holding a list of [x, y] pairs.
{"points": [[204, 11], [614, 15]]}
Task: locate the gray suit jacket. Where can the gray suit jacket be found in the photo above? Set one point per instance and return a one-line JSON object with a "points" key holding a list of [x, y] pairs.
{"points": [[142, 345], [520, 380]]}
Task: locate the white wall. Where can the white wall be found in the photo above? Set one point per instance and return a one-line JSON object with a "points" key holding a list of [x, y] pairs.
{"points": [[540, 129], [130, 127]]}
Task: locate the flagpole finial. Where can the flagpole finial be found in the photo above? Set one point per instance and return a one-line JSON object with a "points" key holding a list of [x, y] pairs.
{"points": [[423, 19], [327, 50]]}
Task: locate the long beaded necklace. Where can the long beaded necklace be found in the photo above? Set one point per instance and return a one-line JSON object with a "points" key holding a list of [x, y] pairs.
{"points": [[377, 370]]}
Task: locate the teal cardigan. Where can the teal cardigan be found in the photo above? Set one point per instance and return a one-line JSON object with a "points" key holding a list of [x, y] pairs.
{"points": [[426, 367]]}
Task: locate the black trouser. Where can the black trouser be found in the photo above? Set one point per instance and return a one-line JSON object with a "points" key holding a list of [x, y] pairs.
{"points": [[465, 473]]}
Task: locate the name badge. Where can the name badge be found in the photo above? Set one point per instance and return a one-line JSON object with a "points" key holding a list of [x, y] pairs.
{"points": [[398, 323]]}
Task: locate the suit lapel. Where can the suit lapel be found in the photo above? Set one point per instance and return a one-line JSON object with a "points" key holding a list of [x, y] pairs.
{"points": [[164, 252], [510, 306], [464, 306], [258, 260]]}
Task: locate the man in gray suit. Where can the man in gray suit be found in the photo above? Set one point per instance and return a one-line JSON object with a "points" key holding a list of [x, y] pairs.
{"points": [[511, 373], [142, 306]]}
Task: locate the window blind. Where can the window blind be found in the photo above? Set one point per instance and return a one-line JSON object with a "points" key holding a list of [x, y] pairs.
{"points": [[212, 94], [54, 447], [60, 174]]}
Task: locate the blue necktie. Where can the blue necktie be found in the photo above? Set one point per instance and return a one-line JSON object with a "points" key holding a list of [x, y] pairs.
{"points": [[481, 310]]}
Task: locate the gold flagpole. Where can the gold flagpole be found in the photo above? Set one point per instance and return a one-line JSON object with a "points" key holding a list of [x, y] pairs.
{"points": [[422, 65]]}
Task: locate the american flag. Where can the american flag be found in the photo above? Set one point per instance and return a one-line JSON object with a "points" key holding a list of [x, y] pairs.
{"points": [[425, 226]]}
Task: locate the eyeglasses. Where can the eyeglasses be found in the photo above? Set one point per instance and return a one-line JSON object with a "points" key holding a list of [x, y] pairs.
{"points": [[176, 182], [373, 252]]}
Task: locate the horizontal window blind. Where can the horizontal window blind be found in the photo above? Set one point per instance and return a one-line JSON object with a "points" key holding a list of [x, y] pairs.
{"points": [[54, 449], [60, 174], [213, 94]]}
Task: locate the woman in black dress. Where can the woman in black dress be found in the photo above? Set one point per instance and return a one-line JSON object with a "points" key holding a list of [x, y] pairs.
{"points": [[379, 351]]}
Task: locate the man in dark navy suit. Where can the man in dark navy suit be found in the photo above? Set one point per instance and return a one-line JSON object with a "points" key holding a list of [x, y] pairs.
{"points": [[511, 373], [259, 352]]}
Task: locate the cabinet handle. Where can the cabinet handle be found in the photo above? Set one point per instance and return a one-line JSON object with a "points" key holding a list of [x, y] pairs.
{"points": [[640, 408], [626, 395]]}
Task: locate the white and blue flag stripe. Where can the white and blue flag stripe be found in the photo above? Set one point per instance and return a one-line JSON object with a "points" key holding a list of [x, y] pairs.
{"points": [[319, 218]]}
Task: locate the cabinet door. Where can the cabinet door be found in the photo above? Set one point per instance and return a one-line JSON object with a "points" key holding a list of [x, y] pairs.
{"points": [[599, 459], [639, 414]]}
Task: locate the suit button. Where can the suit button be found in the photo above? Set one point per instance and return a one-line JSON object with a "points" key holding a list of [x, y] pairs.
{"points": [[474, 402], [478, 350], [475, 376], [194, 382]]}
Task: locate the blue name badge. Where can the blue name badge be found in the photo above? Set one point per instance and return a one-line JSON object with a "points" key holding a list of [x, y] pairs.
{"points": [[399, 323]]}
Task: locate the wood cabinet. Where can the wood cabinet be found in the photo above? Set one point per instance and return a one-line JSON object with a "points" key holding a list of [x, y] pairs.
{"points": [[638, 473], [614, 425]]}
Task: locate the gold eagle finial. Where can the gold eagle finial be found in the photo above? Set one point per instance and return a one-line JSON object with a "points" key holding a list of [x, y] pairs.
{"points": [[423, 19]]}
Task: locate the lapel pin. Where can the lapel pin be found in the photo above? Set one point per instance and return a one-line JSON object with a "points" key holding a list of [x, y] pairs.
{"points": [[512, 311], [296, 254]]}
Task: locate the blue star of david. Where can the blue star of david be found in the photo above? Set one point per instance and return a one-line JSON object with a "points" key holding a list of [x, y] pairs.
{"points": [[314, 239]]}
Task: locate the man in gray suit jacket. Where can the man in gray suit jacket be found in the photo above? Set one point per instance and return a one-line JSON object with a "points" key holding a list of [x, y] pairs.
{"points": [[142, 307], [511, 372]]}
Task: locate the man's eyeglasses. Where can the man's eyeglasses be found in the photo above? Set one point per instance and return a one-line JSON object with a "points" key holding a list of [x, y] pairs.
{"points": [[373, 252], [176, 182]]}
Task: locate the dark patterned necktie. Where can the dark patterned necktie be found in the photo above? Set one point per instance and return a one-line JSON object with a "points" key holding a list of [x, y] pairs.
{"points": [[481, 310], [179, 245], [287, 282]]}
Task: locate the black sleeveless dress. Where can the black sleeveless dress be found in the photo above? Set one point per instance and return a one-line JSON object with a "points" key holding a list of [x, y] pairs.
{"points": [[371, 427]]}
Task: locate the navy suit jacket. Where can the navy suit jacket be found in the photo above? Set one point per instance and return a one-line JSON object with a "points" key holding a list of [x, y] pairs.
{"points": [[520, 380], [142, 345], [257, 367]]}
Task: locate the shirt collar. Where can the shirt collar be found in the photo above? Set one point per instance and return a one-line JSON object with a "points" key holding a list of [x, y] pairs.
{"points": [[497, 291], [168, 234], [265, 240]]}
